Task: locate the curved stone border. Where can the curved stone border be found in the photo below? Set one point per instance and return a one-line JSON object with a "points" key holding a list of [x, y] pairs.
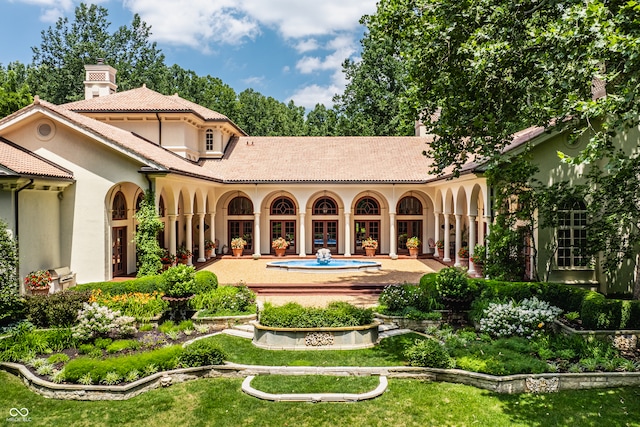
{"points": [[228, 321], [314, 397], [340, 338], [595, 332]]}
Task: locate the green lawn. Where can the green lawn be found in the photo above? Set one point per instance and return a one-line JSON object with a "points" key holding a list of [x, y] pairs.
{"points": [[219, 402]]}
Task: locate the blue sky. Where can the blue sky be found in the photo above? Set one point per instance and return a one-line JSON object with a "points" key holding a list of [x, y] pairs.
{"points": [[287, 49]]}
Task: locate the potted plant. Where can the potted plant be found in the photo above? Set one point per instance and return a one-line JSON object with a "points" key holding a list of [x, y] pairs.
{"points": [[370, 245], [209, 246], [179, 287], [412, 244], [280, 245], [478, 259], [463, 254], [167, 259], [38, 282], [183, 254], [237, 246]]}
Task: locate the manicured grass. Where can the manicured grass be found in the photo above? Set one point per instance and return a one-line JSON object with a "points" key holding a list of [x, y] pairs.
{"points": [[278, 384], [219, 402], [388, 353]]}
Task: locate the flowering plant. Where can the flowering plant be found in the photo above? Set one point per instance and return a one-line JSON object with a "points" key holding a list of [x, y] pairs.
{"points": [[279, 243], [183, 253], [167, 257], [238, 243], [38, 279], [96, 320], [370, 242], [463, 252], [527, 318], [440, 244], [208, 244], [413, 242]]}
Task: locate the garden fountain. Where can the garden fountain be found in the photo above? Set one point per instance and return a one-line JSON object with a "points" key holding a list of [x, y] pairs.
{"points": [[324, 263]]}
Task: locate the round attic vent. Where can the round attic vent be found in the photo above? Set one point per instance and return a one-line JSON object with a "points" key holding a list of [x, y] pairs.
{"points": [[45, 130]]}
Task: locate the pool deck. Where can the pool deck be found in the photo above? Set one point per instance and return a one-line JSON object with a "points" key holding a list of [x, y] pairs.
{"points": [[279, 286]]}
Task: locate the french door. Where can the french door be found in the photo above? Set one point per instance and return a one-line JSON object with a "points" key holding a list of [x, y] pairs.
{"points": [[286, 230], [365, 229], [407, 229], [325, 235], [119, 251], [244, 229]]}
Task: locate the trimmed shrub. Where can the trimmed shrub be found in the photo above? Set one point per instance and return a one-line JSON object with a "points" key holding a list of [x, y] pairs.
{"points": [[147, 284], [202, 353], [56, 310], [453, 283], [205, 281], [429, 353], [164, 359], [293, 315], [179, 281]]}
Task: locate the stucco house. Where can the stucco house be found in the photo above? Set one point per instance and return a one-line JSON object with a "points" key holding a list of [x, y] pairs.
{"points": [[72, 175]]}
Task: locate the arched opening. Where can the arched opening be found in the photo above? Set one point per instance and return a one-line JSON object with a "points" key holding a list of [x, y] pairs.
{"points": [[366, 222], [325, 224], [240, 222], [283, 222], [409, 221]]}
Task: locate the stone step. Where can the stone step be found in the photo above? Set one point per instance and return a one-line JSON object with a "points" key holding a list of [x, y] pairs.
{"points": [[393, 332], [387, 327]]}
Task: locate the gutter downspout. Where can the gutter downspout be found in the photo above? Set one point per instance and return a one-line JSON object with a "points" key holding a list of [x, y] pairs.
{"points": [[15, 206], [159, 129]]}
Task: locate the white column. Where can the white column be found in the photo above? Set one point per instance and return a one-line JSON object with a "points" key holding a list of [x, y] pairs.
{"points": [[302, 244], [172, 234], [472, 242], [458, 239], [393, 239], [256, 233], [201, 257], [188, 218], [347, 234], [480, 227], [446, 249], [436, 234], [212, 230]]}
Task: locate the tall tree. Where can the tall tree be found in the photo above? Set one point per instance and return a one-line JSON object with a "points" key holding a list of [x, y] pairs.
{"points": [[14, 91], [58, 63]]}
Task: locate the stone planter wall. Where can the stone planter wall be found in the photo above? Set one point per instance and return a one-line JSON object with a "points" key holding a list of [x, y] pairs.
{"points": [[227, 321], [346, 338], [404, 323]]}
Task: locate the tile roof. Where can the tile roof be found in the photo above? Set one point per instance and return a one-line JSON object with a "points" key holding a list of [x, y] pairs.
{"points": [[23, 162], [324, 159], [143, 99]]}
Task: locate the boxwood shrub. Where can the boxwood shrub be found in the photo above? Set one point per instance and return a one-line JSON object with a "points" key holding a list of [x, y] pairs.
{"points": [[56, 310], [203, 352], [205, 281], [147, 285], [165, 358], [294, 315]]}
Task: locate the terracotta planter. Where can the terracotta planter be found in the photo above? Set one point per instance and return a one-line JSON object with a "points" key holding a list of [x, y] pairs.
{"points": [[413, 252], [39, 291], [370, 251], [208, 253], [280, 251], [464, 262], [479, 270], [183, 261], [237, 252]]}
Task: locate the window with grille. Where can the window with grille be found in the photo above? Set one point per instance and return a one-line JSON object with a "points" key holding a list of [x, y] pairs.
{"points": [[283, 206], [119, 206], [409, 206], [572, 235], [325, 206], [367, 206], [208, 140], [240, 206]]}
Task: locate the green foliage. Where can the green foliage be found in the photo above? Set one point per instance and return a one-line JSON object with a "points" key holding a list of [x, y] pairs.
{"points": [[294, 315], [102, 342], [202, 353], [397, 300], [146, 237], [11, 304], [25, 341], [205, 281], [14, 91], [179, 281], [429, 353], [56, 310], [235, 299], [58, 358], [452, 282], [164, 358], [121, 345], [147, 285]]}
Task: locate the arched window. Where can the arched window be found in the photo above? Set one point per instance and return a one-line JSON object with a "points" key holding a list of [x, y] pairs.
{"points": [[119, 206], [283, 206], [367, 206], [208, 140], [240, 206], [161, 209], [572, 235], [409, 206], [325, 206], [139, 201]]}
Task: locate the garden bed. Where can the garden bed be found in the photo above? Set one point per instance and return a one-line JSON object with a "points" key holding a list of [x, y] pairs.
{"points": [[322, 338]]}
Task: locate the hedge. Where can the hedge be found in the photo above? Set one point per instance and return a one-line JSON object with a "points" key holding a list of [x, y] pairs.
{"points": [[293, 315], [596, 311], [205, 280]]}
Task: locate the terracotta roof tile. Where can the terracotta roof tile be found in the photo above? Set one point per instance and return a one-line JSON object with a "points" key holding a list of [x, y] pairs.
{"points": [[324, 159], [24, 162]]}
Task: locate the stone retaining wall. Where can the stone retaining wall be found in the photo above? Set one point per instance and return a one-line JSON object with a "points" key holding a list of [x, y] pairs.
{"points": [[344, 338]]}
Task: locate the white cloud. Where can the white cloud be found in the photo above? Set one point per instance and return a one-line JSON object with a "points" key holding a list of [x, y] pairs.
{"points": [[253, 81], [343, 47], [307, 45], [314, 94]]}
